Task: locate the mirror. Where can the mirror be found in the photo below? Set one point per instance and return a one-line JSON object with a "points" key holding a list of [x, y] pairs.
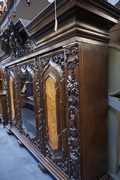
{"points": [[27, 104]]}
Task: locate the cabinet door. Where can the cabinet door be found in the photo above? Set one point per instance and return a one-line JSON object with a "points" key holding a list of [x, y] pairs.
{"points": [[26, 117], [53, 102]]}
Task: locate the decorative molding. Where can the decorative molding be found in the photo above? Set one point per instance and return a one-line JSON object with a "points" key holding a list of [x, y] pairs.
{"points": [[71, 59], [55, 60], [58, 59], [6, 88], [41, 144], [62, 164]]}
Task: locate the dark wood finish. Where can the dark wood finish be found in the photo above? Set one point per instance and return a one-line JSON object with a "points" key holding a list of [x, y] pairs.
{"points": [[3, 104], [93, 102], [3, 107], [42, 168], [75, 57]]}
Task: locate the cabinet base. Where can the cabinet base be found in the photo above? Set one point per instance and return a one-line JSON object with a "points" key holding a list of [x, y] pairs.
{"points": [[20, 143], [106, 177], [42, 168]]}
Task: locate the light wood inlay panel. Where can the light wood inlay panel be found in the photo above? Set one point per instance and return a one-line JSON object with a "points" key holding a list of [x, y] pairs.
{"points": [[12, 98], [51, 112]]}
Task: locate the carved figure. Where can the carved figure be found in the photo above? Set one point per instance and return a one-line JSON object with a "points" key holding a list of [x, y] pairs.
{"points": [[72, 120]]}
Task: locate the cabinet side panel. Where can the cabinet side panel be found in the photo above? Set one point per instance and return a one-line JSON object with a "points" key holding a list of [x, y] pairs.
{"points": [[94, 99]]}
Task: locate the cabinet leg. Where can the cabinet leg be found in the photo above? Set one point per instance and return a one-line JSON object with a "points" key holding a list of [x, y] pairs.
{"points": [[20, 143], [3, 124], [42, 168], [9, 132]]}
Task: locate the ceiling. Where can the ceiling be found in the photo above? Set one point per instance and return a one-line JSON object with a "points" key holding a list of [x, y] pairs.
{"points": [[23, 11], [113, 1]]}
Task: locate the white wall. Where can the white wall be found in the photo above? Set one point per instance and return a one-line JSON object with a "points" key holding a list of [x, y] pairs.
{"points": [[113, 1]]}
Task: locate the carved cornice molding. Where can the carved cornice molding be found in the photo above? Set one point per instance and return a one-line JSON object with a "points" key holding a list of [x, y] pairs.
{"points": [[86, 19]]}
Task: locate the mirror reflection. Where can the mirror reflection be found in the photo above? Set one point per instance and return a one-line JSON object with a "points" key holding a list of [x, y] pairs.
{"points": [[27, 104]]}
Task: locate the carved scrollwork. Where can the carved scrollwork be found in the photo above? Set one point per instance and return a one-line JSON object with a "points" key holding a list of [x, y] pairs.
{"points": [[17, 45], [16, 98], [5, 77], [56, 60], [72, 86], [71, 59], [6, 88], [39, 110], [18, 119], [71, 56], [44, 63], [62, 164]]}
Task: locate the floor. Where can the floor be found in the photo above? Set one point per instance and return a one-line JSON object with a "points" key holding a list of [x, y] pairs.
{"points": [[17, 163]]}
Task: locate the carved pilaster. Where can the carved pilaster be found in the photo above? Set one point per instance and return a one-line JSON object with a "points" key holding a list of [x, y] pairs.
{"points": [[39, 109], [71, 60], [6, 88]]}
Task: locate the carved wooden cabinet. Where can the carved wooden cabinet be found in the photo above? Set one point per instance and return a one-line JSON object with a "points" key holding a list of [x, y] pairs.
{"points": [[56, 86]]}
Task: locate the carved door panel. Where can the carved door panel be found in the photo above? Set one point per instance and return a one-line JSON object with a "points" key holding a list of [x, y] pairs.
{"points": [[10, 83], [53, 93]]}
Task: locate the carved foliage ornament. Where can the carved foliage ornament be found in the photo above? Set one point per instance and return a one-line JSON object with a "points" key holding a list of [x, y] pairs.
{"points": [[71, 59], [17, 45], [56, 60], [17, 121], [6, 75], [39, 109]]}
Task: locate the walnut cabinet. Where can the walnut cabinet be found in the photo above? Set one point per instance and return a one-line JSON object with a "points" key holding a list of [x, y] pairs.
{"points": [[56, 83]]}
